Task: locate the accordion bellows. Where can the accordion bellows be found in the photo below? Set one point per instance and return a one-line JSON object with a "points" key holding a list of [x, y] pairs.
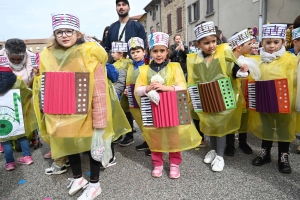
{"points": [[171, 111], [271, 96], [65, 93], [212, 97]]}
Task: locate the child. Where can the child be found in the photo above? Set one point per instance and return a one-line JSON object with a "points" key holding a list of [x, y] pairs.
{"points": [[255, 49], [276, 63], [70, 134], [214, 63], [119, 54], [137, 52], [15, 99], [172, 139], [241, 45]]}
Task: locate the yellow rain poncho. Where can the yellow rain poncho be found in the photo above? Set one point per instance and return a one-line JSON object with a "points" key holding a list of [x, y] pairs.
{"points": [[71, 134], [30, 123], [123, 64], [277, 126], [298, 93], [200, 71], [171, 139], [121, 125], [131, 79]]}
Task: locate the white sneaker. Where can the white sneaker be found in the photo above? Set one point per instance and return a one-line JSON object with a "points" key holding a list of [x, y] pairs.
{"points": [[218, 164], [92, 190], [76, 185], [210, 156]]}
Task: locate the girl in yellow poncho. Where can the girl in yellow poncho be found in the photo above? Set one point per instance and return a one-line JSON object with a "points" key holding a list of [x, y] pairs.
{"points": [[211, 64], [172, 139], [275, 63], [72, 134]]}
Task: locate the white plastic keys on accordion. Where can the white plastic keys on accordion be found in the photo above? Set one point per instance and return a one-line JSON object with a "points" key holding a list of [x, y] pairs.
{"points": [[146, 111], [251, 95], [195, 97], [130, 97]]}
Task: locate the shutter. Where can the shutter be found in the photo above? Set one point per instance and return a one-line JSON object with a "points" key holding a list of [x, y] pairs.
{"points": [[169, 24], [179, 18], [189, 13], [197, 10]]}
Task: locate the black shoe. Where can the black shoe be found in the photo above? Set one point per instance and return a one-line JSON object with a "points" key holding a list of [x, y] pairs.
{"points": [[229, 150], [283, 163], [148, 152], [117, 140], [126, 142], [263, 158], [246, 149], [142, 147]]}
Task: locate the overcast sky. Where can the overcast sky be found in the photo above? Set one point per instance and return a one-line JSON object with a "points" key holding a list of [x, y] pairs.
{"points": [[31, 19]]}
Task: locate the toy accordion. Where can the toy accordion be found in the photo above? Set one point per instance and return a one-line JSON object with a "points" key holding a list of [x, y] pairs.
{"points": [[131, 99], [212, 97], [171, 111], [271, 96], [65, 93]]}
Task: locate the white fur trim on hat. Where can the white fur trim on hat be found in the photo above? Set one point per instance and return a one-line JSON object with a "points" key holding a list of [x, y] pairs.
{"points": [[274, 31], [205, 29], [158, 38], [65, 21], [239, 38]]}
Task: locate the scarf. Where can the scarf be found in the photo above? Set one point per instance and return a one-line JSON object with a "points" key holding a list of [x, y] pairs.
{"points": [[270, 57], [137, 64], [157, 67]]}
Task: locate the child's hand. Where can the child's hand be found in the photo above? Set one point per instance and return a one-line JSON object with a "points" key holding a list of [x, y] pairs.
{"points": [[125, 92], [244, 68]]}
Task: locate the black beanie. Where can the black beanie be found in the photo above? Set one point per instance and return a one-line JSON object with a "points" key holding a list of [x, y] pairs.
{"points": [[125, 1]]}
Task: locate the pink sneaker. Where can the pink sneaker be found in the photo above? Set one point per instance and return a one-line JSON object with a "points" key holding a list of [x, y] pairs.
{"points": [[48, 155], [1, 148], [26, 160], [157, 171], [10, 166], [174, 171]]}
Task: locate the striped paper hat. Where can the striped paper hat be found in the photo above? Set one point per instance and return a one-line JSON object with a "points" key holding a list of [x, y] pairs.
{"points": [[205, 29], [4, 64], [296, 33], [135, 42], [158, 38], [274, 31], [65, 21], [119, 47], [239, 38]]}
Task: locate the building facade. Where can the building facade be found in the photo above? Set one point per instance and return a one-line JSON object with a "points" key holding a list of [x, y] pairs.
{"points": [[153, 19], [234, 15], [173, 18]]}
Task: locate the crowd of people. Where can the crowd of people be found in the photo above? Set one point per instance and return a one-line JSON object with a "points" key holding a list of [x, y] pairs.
{"points": [[84, 96]]}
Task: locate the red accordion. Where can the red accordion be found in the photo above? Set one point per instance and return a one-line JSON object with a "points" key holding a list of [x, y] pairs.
{"points": [[65, 92], [271, 96], [171, 111]]}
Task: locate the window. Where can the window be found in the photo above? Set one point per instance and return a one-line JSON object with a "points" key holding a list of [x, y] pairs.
{"points": [[151, 29], [194, 12], [166, 2], [158, 27], [154, 15], [210, 7], [179, 18], [150, 12], [156, 6], [169, 24]]}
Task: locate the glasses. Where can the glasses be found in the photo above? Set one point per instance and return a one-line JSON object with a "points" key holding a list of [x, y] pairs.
{"points": [[60, 33]]}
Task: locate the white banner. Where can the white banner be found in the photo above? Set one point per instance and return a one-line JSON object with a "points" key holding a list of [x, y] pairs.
{"points": [[11, 114]]}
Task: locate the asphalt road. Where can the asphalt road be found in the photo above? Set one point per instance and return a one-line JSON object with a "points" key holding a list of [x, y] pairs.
{"points": [[131, 177]]}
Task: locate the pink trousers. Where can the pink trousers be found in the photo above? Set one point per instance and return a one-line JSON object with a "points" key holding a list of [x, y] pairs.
{"points": [[157, 158]]}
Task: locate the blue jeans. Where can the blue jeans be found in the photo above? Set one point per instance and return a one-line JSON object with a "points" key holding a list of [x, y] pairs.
{"points": [[8, 151]]}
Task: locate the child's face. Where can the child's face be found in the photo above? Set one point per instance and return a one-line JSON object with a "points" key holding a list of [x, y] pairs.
{"points": [[246, 48], [254, 50], [66, 37], [296, 45], [117, 55], [208, 44], [272, 45], [159, 53], [137, 55]]}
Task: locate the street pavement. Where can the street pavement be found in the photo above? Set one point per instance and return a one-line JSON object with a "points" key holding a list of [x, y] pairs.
{"points": [[131, 177]]}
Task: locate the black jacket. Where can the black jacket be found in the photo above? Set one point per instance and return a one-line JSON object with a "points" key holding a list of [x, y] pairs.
{"points": [[7, 80], [179, 56]]}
